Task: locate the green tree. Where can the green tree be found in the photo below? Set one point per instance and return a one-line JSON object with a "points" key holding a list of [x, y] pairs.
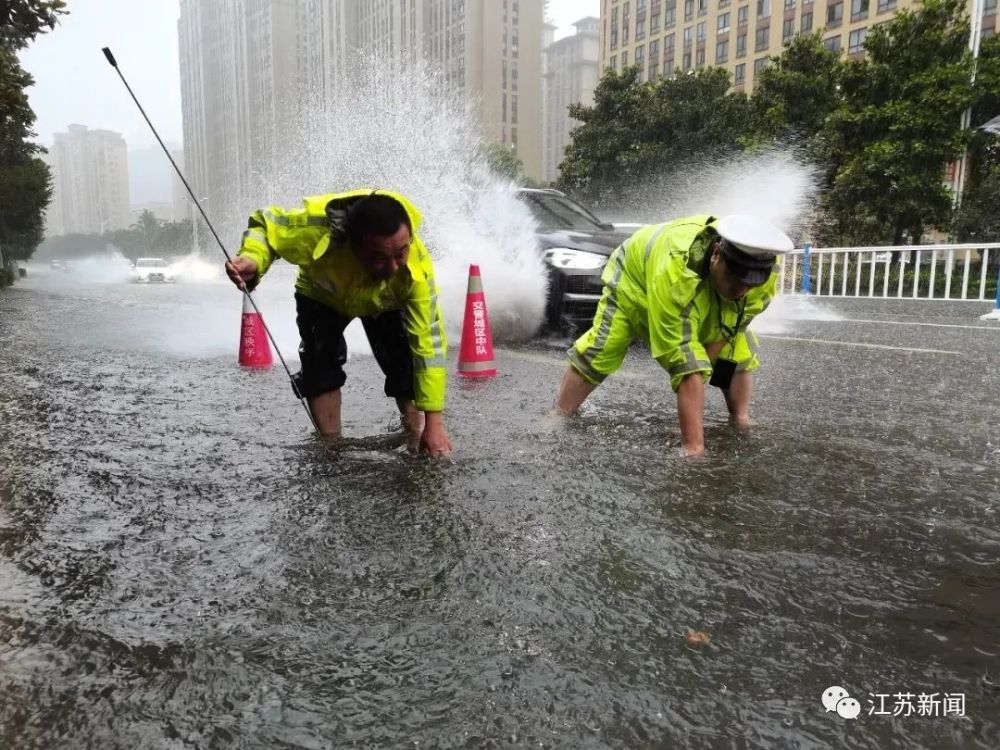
{"points": [[24, 179], [600, 152], [503, 162], [148, 237], [148, 230], [977, 218], [176, 237], [152, 237], [799, 89], [898, 126], [22, 20], [16, 116], [634, 130], [71, 246], [698, 114], [24, 193]]}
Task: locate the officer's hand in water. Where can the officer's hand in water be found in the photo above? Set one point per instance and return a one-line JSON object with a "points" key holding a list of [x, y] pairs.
{"points": [[434, 440], [241, 271]]}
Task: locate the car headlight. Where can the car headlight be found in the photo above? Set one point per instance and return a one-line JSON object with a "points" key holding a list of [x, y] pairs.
{"points": [[563, 257]]}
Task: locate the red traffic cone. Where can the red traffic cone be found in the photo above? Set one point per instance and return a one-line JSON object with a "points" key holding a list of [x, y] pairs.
{"points": [[475, 359], [255, 350]]}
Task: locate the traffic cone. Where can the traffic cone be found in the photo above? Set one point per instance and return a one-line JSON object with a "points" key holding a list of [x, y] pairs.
{"points": [[255, 350], [475, 359]]}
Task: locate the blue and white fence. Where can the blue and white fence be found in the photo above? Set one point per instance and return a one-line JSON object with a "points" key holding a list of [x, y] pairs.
{"points": [[924, 272]]}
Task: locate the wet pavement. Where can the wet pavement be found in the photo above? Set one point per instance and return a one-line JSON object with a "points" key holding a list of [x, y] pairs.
{"points": [[182, 565]]}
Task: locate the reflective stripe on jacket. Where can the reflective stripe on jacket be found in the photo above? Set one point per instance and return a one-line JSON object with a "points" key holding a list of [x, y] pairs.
{"points": [[330, 273], [665, 288]]}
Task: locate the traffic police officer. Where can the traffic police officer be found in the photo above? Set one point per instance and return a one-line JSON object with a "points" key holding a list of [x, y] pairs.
{"points": [[359, 256], [689, 289]]}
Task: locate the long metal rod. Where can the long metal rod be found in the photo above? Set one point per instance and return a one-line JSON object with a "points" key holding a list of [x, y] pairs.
{"points": [[222, 247]]}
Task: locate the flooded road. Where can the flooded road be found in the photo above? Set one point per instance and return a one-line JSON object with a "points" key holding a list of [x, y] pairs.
{"points": [[182, 566]]}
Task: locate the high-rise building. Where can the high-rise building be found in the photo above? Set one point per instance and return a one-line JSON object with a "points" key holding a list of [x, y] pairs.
{"points": [[667, 36], [323, 42], [248, 66], [489, 51], [237, 61], [571, 75], [90, 182]]}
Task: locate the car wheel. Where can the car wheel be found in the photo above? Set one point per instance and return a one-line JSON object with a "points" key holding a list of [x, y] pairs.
{"points": [[554, 304]]}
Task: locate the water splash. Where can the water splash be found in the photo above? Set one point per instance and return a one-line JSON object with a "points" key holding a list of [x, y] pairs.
{"points": [[110, 267], [193, 268], [775, 185], [387, 128], [786, 308], [394, 128]]}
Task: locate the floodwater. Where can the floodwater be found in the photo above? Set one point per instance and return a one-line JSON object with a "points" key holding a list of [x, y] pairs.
{"points": [[182, 566]]}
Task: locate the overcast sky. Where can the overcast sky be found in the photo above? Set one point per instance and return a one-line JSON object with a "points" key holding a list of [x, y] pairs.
{"points": [[74, 83]]}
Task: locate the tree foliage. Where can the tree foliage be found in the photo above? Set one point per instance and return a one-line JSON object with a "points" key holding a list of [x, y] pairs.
{"points": [[503, 162], [150, 236], [800, 89], [16, 116], [977, 218], [601, 149], [22, 20], [898, 125], [24, 179], [147, 237], [881, 129], [636, 129], [24, 193]]}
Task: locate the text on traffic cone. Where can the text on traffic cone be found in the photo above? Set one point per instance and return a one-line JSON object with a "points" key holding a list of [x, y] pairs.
{"points": [[475, 358], [255, 349]]}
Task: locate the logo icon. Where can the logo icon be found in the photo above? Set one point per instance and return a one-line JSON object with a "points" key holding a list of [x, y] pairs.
{"points": [[848, 708], [835, 698]]}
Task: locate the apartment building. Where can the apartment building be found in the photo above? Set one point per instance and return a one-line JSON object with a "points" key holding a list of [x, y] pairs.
{"points": [[571, 73], [667, 36], [247, 66], [237, 66], [321, 45], [489, 51], [90, 182]]}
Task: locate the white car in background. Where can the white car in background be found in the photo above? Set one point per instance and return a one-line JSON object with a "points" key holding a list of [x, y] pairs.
{"points": [[152, 271]]}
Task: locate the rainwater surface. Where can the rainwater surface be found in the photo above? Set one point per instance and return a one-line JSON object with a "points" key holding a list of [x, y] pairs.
{"points": [[182, 565]]}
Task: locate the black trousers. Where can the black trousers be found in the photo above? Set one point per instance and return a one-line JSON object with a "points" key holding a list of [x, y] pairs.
{"points": [[323, 350]]}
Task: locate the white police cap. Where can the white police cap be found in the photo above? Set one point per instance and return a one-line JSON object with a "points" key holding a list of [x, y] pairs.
{"points": [[750, 246]]}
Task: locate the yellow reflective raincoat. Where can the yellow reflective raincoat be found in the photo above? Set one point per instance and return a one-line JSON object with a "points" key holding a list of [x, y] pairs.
{"points": [[331, 274], [657, 288]]}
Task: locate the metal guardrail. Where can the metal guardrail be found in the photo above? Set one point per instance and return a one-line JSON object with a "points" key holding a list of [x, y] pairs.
{"points": [[924, 272]]}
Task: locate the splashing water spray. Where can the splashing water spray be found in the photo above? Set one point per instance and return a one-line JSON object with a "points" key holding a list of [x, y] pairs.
{"points": [[397, 128], [774, 184], [777, 185]]}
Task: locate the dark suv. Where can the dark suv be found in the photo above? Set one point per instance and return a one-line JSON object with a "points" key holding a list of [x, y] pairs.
{"points": [[575, 245]]}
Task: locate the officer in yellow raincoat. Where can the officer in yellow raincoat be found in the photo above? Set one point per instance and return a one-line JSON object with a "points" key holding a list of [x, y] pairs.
{"points": [[359, 256], [689, 289]]}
